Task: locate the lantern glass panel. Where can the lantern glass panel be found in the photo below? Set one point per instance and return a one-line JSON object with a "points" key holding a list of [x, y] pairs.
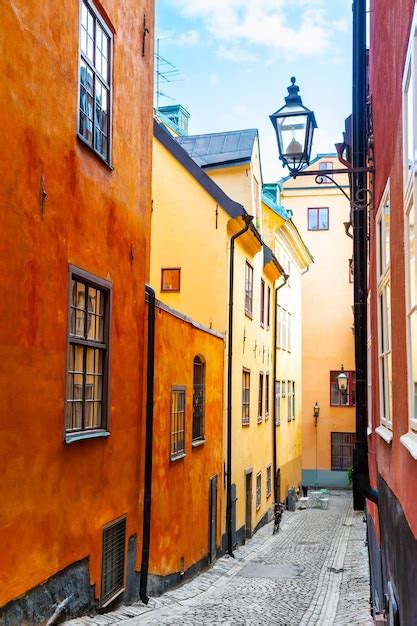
{"points": [[293, 136]]}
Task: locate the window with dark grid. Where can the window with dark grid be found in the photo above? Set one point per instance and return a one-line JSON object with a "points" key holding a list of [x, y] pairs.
{"points": [[260, 396], [95, 81], [113, 560], [262, 302], [342, 398], [88, 341], [342, 450], [268, 481], [258, 490], [245, 397], [248, 289], [177, 422], [198, 398], [266, 395], [268, 307]]}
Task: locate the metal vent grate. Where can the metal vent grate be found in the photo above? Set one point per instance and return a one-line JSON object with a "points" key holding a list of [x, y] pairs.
{"points": [[113, 563]]}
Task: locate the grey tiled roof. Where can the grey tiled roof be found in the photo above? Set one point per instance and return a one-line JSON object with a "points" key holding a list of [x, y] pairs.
{"points": [[217, 148]]}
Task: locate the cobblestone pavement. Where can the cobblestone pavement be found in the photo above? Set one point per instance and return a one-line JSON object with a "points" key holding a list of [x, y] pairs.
{"points": [[314, 571]]}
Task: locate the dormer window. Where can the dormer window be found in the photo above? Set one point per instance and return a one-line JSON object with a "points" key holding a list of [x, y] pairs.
{"points": [[325, 165]]}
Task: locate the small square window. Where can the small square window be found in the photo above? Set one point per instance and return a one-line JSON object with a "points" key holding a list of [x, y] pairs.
{"points": [[171, 279], [325, 165], [318, 218]]}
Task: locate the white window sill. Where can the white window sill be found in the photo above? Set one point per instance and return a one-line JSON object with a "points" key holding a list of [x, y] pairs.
{"points": [[385, 433], [409, 441], [197, 443], [369, 431]]}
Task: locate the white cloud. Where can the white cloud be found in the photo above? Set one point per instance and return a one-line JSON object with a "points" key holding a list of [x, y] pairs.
{"points": [[234, 52], [189, 38], [265, 23]]}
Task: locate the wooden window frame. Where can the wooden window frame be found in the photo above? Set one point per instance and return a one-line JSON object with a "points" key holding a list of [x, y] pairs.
{"points": [[344, 466], [258, 490], [267, 391], [245, 402], [170, 269], [268, 481], [262, 304], [83, 58], [268, 307], [289, 400], [105, 286], [350, 392], [201, 419], [178, 454], [318, 209], [260, 397], [384, 315], [277, 399], [248, 290], [107, 599]]}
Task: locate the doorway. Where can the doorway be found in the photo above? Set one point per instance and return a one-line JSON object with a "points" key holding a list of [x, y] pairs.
{"points": [[212, 518], [248, 508]]}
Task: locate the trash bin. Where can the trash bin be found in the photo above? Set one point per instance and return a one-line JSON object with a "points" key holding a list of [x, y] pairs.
{"points": [[305, 490], [291, 499]]}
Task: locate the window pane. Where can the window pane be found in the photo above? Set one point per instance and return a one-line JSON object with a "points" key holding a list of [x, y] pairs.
{"points": [[409, 101], [413, 346], [387, 233], [411, 258], [77, 307], [171, 279], [323, 219], [313, 219]]}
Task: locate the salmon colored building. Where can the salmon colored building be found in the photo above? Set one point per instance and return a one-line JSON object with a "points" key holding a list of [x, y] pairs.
{"points": [[392, 334], [187, 480], [75, 213]]}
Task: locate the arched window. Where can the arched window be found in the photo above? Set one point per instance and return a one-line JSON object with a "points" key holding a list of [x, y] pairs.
{"points": [[198, 398]]}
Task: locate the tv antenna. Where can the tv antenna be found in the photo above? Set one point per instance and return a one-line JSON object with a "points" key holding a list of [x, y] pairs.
{"points": [[165, 72]]}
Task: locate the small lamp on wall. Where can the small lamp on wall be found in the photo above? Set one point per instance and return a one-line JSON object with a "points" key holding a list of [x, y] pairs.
{"points": [[342, 381], [316, 412]]}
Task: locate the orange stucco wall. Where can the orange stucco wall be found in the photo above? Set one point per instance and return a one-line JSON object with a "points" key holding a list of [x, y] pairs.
{"points": [[180, 488], [55, 498]]}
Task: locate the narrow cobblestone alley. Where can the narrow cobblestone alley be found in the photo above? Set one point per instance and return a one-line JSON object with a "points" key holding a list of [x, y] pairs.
{"points": [[314, 571]]}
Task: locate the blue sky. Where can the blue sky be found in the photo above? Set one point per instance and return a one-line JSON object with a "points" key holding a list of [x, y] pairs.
{"points": [[236, 58]]}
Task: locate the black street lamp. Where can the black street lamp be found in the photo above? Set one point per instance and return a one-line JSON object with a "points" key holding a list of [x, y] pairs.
{"points": [[294, 125]]}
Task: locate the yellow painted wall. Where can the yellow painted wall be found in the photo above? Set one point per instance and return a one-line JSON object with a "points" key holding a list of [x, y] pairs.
{"points": [[184, 235], [327, 318]]}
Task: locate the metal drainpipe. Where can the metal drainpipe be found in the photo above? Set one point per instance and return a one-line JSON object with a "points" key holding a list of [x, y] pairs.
{"points": [[248, 220], [274, 376], [361, 483], [150, 372]]}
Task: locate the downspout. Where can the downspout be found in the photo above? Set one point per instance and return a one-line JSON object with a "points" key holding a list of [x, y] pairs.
{"points": [[361, 484], [150, 372], [274, 377], [248, 220]]}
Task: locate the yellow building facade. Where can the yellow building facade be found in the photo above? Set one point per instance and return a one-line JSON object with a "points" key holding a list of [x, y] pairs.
{"points": [[327, 325]]}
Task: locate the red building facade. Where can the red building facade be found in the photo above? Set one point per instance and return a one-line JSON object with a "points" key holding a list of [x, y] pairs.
{"points": [[392, 334], [76, 114]]}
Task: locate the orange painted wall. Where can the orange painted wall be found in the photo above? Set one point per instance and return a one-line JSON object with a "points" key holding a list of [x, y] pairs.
{"points": [[180, 488], [56, 497]]}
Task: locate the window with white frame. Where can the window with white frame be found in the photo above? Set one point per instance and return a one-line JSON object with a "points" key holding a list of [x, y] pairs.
{"points": [[384, 311], [277, 402], [411, 303]]}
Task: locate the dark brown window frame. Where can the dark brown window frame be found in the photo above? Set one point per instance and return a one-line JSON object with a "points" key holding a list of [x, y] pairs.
{"points": [[260, 397], [248, 292], [262, 307], [245, 419], [170, 269], [268, 308], [96, 282], [175, 456], [268, 480], [318, 209], [258, 491], [347, 460], [266, 396], [109, 85], [201, 418], [105, 601]]}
